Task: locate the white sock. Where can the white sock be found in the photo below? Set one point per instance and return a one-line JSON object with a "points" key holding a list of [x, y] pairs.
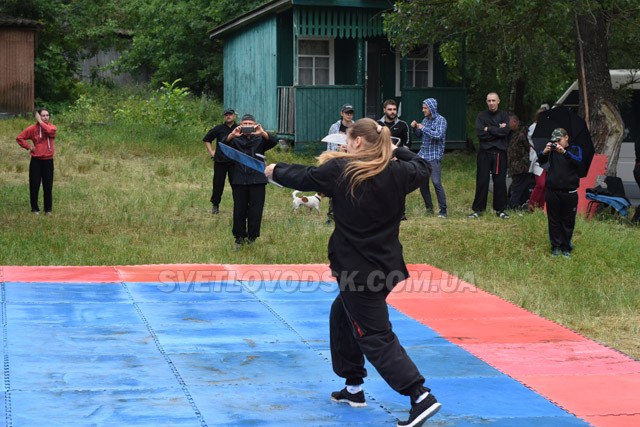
{"points": [[422, 397], [353, 389]]}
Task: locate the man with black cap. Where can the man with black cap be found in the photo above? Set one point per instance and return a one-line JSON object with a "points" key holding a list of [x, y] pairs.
{"points": [[561, 189], [221, 164], [346, 120], [248, 185]]}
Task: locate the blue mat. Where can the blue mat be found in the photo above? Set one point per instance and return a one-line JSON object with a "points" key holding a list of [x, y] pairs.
{"points": [[222, 354]]}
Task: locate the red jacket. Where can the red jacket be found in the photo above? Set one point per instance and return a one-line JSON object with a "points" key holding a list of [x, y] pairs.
{"points": [[42, 136]]}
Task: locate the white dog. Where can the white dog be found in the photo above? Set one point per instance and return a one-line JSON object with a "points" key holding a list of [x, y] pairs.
{"points": [[312, 202]]}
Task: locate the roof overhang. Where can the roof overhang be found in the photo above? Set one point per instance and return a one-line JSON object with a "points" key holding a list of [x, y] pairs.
{"points": [[275, 6], [10, 21]]}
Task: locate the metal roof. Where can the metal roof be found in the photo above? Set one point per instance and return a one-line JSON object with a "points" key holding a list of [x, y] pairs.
{"points": [[10, 21]]}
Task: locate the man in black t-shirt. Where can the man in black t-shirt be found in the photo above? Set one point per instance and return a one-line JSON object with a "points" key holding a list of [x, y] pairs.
{"points": [[221, 164]]}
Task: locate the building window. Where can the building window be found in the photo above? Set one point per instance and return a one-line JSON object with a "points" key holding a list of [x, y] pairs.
{"points": [[419, 68], [315, 62]]}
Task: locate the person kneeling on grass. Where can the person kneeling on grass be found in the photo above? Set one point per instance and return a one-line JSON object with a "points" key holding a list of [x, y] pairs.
{"points": [[365, 254]]}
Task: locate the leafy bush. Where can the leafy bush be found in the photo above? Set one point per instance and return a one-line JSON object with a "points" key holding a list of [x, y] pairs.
{"points": [[171, 106]]}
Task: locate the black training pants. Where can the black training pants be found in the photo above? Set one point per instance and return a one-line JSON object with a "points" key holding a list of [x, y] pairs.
{"points": [[220, 171], [248, 203], [519, 190], [491, 163], [41, 171], [562, 207], [359, 326]]}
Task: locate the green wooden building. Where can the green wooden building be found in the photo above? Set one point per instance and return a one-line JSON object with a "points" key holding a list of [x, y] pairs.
{"points": [[293, 63]]}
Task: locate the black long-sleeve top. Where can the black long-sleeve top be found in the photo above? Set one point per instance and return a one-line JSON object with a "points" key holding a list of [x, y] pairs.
{"points": [[495, 137], [564, 169], [365, 240], [250, 145]]}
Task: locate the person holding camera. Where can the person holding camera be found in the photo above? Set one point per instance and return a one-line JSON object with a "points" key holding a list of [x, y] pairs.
{"points": [[248, 185], [221, 164], [561, 195], [42, 135]]}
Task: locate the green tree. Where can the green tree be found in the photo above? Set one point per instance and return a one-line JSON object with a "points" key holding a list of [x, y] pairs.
{"points": [[530, 49]]}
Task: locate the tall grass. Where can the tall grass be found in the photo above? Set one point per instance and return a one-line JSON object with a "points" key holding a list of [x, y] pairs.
{"points": [[137, 192]]}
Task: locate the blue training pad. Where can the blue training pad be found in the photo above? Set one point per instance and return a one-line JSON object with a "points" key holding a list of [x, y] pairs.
{"points": [[223, 354]]}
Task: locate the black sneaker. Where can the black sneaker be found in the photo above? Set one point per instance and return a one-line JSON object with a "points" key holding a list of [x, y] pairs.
{"points": [[215, 210], [421, 412], [355, 400]]}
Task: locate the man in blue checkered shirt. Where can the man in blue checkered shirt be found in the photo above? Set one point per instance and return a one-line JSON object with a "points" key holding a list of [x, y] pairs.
{"points": [[432, 131]]}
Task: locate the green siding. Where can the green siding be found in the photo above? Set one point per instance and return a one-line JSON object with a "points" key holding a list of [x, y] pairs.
{"points": [[318, 107], [452, 104], [338, 22], [250, 73]]}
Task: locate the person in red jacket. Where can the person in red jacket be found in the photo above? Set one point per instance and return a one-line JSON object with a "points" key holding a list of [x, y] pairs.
{"points": [[42, 135]]}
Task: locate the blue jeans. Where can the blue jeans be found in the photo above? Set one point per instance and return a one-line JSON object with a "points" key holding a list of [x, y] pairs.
{"points": [[436, 173]]}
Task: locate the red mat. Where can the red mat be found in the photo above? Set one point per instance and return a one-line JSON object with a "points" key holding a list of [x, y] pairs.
{"points": [[587, 379]]}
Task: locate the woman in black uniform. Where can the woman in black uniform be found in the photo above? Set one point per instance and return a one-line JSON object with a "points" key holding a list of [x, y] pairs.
{"points": [[368, 184]]}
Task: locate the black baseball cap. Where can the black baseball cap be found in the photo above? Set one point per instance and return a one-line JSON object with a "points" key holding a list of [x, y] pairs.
{"points": [[347, 107], [229, 111]]}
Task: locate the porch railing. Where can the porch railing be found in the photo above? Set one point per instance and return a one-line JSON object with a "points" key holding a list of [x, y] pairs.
{"points": [[286, 110]]}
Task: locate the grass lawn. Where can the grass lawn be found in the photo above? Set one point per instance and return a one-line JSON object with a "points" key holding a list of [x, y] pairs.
{"points": [[139, 194]]}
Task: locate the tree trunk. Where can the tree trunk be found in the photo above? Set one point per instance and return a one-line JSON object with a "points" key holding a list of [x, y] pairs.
{"points": [[597, 100]]}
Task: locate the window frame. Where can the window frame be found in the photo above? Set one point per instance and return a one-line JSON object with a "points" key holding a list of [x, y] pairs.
{"points": [[407, 58], [331, 57]]}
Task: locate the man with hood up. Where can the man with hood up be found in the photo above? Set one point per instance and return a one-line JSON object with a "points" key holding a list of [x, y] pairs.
{"points": [[432, 131]]}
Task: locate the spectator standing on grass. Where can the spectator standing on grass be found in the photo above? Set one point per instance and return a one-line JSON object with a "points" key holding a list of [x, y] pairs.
{"points": [[492, 129], [432, 131], [398, 128], [248, 185], [42, 135], [561, 194], [518, 164], [221, 164], [536, 200], [366, 258], [341, 126]]}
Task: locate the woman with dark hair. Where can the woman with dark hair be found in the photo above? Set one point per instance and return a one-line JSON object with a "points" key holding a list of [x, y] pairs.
{"points": [[42, 135], [368, 183]]}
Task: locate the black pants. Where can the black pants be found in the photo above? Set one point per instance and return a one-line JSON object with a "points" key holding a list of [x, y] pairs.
{"points": [[220, 171], [248, 203], [519, 190], [359, 326], [41, 171], [562, 207], [491, 163]]}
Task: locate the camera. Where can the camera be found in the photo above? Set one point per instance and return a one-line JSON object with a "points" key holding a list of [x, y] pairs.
{"points": [[246, 130], [554, 145]]}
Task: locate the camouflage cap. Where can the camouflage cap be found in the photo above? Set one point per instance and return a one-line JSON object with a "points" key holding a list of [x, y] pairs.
{"points": [[557, 134]]}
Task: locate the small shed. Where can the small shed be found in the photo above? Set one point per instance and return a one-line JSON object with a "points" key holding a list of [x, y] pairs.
{"points": [[293, 63], [17, 60]]}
